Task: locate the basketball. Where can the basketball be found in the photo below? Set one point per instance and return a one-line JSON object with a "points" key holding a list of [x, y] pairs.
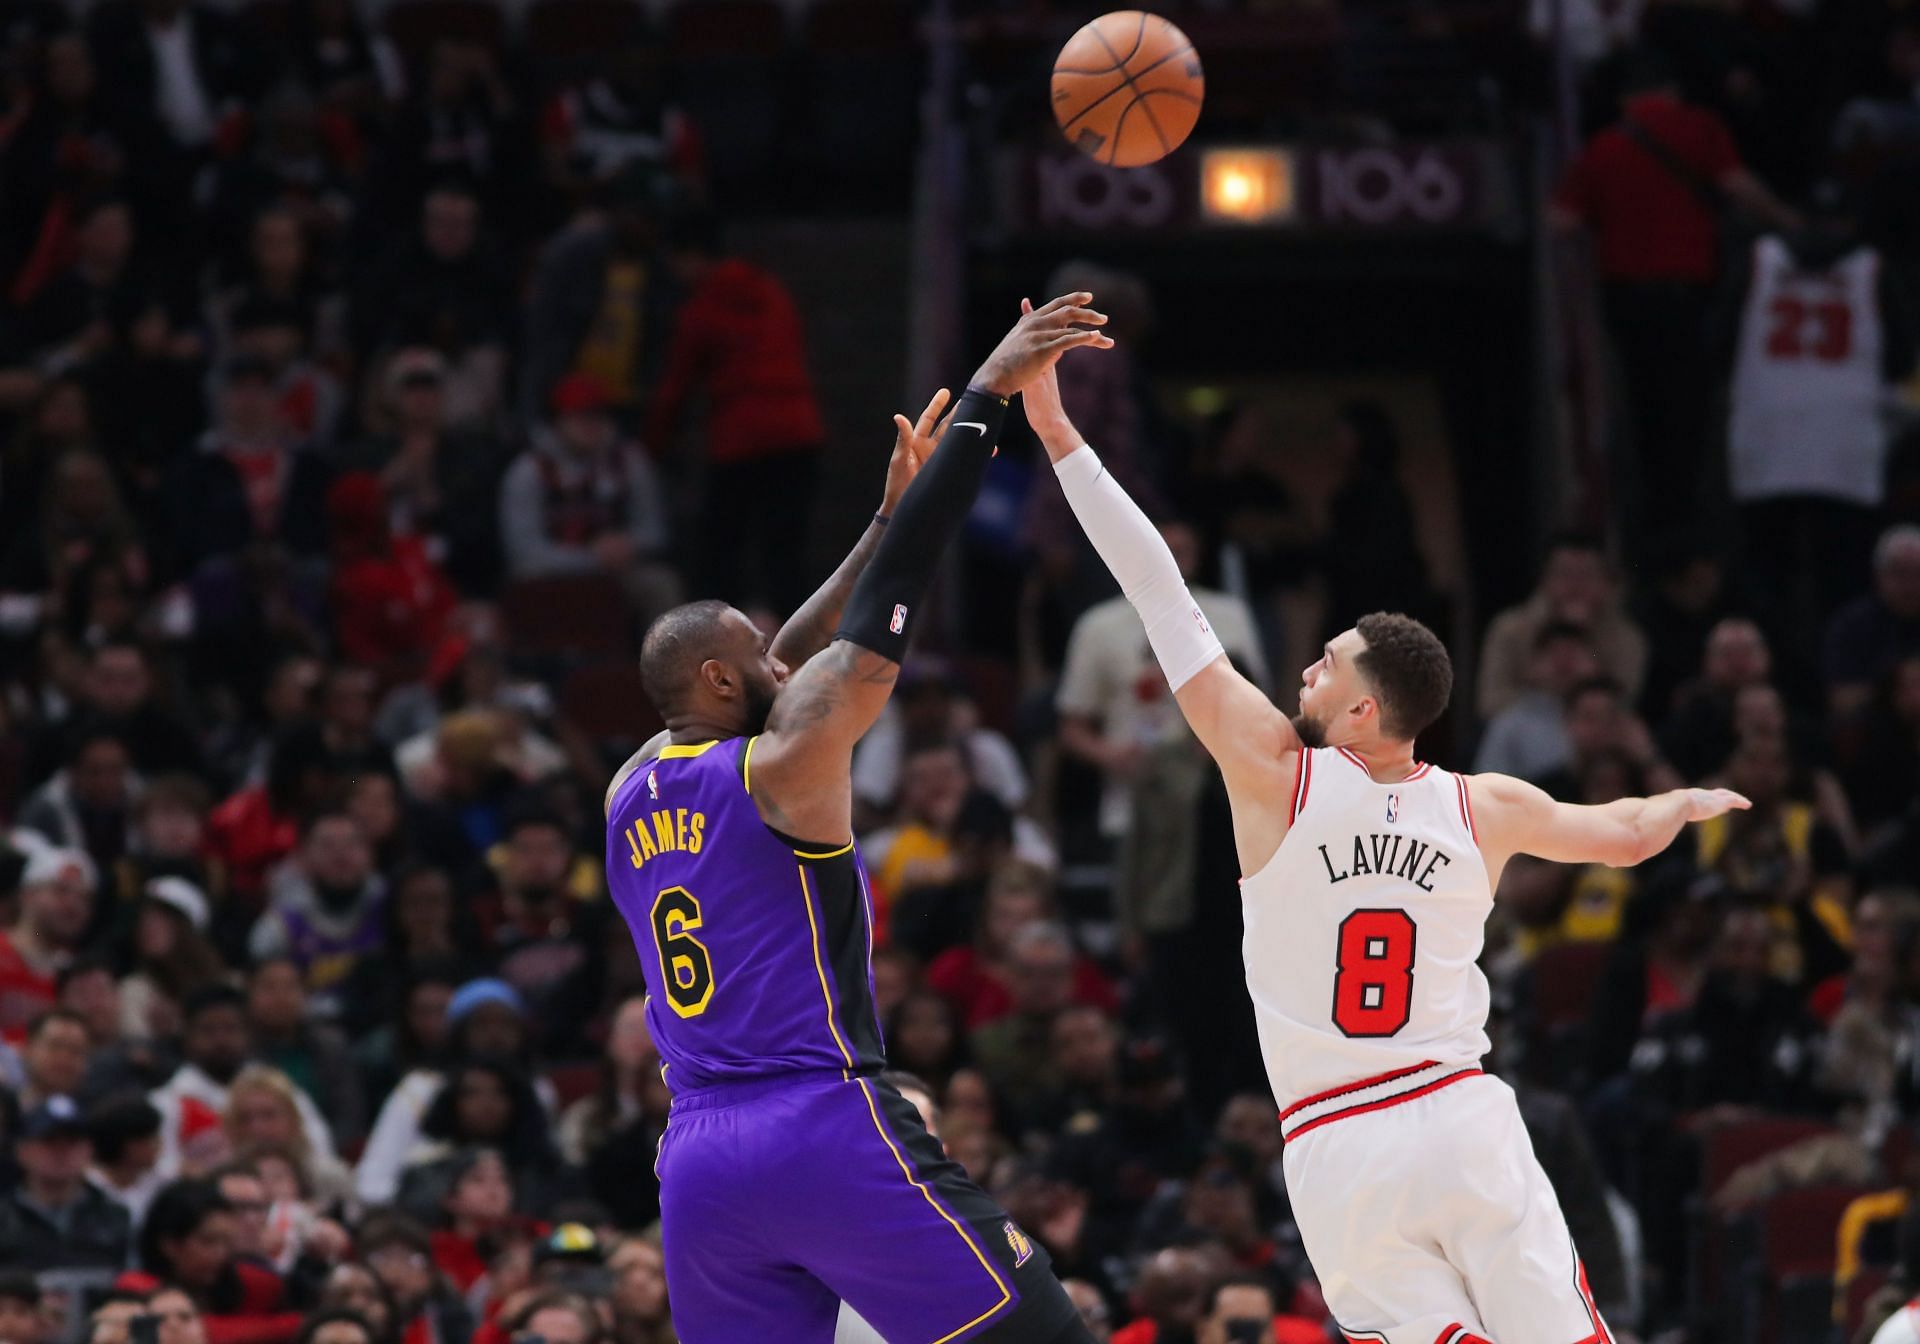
{"points": [[1127, 88]]}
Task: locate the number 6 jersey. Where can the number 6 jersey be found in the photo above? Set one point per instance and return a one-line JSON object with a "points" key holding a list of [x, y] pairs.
{"points": [[756, 947], [1363, 934]]}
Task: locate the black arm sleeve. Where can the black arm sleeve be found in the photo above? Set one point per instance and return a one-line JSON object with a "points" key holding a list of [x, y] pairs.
{"points": [[879, 614]]}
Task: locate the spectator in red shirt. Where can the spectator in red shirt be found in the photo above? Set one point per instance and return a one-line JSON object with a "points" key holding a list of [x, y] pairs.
{"points": [[479, 1209], [738, 339], [56, 906], [189, 1240], [1651, 189], [390, 601]]}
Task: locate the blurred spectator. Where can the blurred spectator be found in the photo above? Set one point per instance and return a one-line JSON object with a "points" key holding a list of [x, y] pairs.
{"points": [[1014, 1048], [978, 977], [1113, 699], [22, 1316], [918, 849], [310, 1053], [248, 480], [1094, 1313], [1372, 557], [390, 601], [477, 1216], [484, 1019], [442, 289], [616, 117], [88, 805], [54, 1058], [80, 533], [1576, 587], [399, 1252], [126, 1153], [583, 499], [441, 482], [119, 697], [266, 1116], [641, 1313], [459, 123], [924, 1037], [598, 304], [1824, 335], [1744, 1042], [738, 342], [279, 268], [1528, 739], [63, 150], [170, 959], [354, 1287], [177, 1320], [326, 909], [1879, 752], [1699, 734], [1685, 599], [191, 1242], [546, 940], [278, 334], [55, 1219], [485, 1104], [254, 829], [610, 1134], [336, 1327], [214, 1046], [1649, 188], [929, 707], [56, 907], [1600, 725], [1169, 1300], [1876, 630]]}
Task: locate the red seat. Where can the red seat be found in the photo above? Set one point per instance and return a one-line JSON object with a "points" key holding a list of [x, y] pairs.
{"points": [[571, 1082], [1800, 1227], [604, 700], [583, 614], [1564, 980], [1728, 1148]]}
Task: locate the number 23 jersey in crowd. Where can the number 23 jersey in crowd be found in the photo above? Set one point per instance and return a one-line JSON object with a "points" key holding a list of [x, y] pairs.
{"points": [[756, 947], [1363, 934]]}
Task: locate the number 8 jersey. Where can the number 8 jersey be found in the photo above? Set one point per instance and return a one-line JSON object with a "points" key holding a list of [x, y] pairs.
{"points": [[1363, 936], [756, 947]]}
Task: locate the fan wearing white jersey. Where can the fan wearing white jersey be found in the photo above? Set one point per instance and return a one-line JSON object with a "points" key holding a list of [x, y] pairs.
{"points": [[1370, 877]]}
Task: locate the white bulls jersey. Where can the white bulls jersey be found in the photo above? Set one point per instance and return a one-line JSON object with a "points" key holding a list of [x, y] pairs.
{"points": [[1807, 380], [1414, 1184], [1364, 932]]}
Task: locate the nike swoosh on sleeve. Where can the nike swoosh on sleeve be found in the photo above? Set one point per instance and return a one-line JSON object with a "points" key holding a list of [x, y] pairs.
{"points": [[970, 424]]}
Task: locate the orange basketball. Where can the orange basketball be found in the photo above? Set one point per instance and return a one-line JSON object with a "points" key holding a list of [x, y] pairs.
{"points": [[1127, 88]]}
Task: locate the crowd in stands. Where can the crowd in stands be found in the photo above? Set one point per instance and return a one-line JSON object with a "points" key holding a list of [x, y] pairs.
{"points": [[336, 375]]}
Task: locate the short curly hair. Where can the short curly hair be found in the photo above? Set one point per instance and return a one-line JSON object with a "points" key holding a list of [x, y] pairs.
{"points": [[1410, 671]]}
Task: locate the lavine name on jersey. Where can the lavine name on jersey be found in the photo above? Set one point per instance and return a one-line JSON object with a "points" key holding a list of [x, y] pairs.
{"points": [[1393, 855]]}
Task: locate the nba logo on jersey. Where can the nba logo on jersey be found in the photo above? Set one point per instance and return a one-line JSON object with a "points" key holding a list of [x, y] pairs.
{"points": [[899, 621], [1017, 1242], [1393, 808], [653, 785]]}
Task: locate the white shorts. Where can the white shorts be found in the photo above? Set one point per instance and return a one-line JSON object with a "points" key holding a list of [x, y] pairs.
{"points": [[1428, 1218]]}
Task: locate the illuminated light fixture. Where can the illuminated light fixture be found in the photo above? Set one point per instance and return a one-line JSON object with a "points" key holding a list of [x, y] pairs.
{"points": [[1246, 186]]}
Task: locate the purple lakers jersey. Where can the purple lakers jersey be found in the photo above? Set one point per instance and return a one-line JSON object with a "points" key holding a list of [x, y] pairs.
{"points": [[757, 948]]}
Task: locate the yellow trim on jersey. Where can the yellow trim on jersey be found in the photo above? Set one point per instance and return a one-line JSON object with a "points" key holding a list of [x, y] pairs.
{"points": [[678, 752], [820, 968], [746, 764], [1006, 1295], [830, 854]]}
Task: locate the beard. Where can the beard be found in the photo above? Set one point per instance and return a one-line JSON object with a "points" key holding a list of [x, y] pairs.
{"points": [[758, 706], [1312, 732]]}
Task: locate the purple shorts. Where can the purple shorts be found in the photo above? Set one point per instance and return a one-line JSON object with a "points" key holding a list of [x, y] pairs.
{"points": [[780, 1199]]}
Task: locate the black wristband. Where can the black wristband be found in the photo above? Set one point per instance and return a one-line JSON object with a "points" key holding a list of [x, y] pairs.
{"points": [[879, 612]]}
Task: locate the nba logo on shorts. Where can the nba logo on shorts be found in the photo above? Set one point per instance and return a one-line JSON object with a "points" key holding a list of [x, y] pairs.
{"points": [[899, 621], [1393, 808], [1017, 1242]]}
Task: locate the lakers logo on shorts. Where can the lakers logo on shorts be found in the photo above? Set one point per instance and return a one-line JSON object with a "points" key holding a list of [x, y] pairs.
{"points": [[1017, 1242]]}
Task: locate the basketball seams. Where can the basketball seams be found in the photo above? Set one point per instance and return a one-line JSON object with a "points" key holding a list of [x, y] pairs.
{"points": [[1110, 148]]}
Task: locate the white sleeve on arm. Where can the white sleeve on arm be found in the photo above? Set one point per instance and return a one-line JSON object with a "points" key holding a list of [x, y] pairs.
{"points": [[1138, 558]]}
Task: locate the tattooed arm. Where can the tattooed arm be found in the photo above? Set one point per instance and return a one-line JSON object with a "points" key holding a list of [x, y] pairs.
{"points": [[810, 629], [800, 772]]}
